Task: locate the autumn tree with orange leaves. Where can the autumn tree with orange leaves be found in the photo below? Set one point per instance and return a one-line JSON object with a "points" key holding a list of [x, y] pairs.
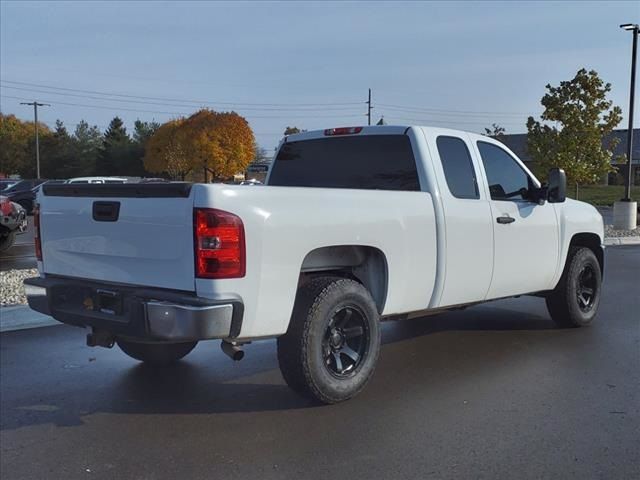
{"points": [[165, 152], [220, 144]]}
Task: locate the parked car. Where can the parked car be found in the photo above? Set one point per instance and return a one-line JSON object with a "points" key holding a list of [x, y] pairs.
{"points": [[97, 180], [253, 182], [6, 183], [27, 198], [354, 226], [13, 221]]}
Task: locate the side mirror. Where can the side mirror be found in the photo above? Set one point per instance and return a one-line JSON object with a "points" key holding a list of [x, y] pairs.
{"points": [[557, 188]]}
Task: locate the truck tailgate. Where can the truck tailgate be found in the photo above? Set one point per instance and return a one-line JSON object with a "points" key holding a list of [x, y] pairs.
{"points": [[138, 234]]}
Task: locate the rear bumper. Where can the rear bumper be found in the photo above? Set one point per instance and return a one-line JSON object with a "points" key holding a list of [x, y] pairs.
{"points": [[135, 312]]}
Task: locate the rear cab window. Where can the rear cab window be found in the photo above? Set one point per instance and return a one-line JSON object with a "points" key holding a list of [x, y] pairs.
{"points": [[367, 162], [458, 167]]}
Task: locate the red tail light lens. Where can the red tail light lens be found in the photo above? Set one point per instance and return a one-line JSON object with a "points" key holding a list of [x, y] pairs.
{"points": [[5, 206], [219, 244], [329, 132], [36, 237]]}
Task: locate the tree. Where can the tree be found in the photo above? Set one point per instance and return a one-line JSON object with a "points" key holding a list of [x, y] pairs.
{"points": [[115, 146], [583, 117], [17, 145], [87, 141], [220, 143], [142, 131], [292, 130], [496, 131], [58, 159], [261, 155], [165, 152]]}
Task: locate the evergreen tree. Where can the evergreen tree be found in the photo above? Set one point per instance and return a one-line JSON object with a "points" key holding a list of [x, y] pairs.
{"points": [[115, 151], [57, 158], [87, 141]]}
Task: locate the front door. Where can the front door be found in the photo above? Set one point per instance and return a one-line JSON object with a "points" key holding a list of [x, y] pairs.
{"points": [[526, 245]]}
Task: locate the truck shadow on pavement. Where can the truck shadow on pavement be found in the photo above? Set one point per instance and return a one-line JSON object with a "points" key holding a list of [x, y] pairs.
{"points": [[465, 342]]}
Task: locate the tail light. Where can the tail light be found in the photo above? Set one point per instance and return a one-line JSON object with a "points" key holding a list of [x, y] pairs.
{"points": [[219, 244], [329, 132], [5, 206], [36, 237]]}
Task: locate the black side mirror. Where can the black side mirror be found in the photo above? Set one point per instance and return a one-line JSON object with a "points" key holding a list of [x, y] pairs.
{"points": [[557, 188]]}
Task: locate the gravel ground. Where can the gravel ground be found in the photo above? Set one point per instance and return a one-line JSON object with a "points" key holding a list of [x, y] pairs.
{"points": [[11, 287], [610, 232]]}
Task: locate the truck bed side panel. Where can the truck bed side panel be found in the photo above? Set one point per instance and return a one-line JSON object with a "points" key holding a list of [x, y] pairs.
{"points": [[283, 224]]}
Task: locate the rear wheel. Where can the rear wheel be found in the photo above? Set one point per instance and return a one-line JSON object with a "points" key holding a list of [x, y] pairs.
{"points": [[159, 354], [575, 300], [331, 348]]}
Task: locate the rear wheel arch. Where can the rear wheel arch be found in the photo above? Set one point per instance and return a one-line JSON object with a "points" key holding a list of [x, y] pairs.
{"points": [[365, 264]]}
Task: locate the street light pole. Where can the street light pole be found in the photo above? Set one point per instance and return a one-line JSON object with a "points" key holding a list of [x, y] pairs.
{"points": [[634, 29], [625, 211], [35, 114]]}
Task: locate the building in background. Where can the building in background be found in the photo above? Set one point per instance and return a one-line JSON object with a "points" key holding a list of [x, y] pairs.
{"points": [[518, 144]]}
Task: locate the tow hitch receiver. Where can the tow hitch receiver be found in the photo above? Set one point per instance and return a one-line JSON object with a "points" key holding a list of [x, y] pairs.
{"points": [[100, 338]]}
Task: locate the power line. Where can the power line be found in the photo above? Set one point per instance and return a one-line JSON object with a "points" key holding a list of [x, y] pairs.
{"points": [[424, 121], [183, 105], [162, 112], [437, 110], [199, 102]]}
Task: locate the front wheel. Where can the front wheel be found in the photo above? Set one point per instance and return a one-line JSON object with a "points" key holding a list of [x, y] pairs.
{"points": [[158, 354], [331, 348], [575, 300]]}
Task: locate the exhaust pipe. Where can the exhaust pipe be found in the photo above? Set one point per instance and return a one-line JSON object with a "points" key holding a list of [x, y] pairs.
{"points": [[233, 351]]}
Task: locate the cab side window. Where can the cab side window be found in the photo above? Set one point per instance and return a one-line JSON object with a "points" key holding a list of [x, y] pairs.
{"points": [[507, 180], [458, 167]]}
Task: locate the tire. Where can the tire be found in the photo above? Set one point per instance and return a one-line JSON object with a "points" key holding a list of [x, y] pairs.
{"points": [[7, 240], [157, 354], [27, 205], [331, 348], [575, 300]]}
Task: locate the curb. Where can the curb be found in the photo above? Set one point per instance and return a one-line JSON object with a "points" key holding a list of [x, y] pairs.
{"points": [[21, 317], [615, 241]]}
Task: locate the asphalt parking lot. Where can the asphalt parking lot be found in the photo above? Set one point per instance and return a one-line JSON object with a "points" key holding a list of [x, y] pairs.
{"points": [[495, 391]]}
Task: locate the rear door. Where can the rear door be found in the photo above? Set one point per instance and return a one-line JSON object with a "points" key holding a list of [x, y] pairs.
{"points": [[129, 233], [468, 231], [526, 233]]}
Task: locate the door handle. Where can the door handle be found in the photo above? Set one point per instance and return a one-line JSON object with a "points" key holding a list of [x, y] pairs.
{"points": [[505, 219]]}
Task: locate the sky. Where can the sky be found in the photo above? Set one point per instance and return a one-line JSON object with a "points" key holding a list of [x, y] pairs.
{"points": [[461, 65]]}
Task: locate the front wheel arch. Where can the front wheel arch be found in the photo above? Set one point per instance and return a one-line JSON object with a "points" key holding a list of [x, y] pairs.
{"points": [[589, 240]]}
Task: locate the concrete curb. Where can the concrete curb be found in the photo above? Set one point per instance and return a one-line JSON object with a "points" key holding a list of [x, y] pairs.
{"points": [[21, 317], [615, 241]]}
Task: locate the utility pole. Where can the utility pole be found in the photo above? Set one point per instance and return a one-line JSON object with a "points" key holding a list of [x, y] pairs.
{"points": [[35, 114], [369, 107]]}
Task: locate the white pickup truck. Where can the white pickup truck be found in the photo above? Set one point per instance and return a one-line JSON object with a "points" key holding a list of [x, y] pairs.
{"points": [[355, 225]]}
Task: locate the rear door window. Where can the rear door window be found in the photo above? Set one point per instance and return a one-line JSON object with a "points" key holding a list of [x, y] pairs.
{"points": [[458, 167], [368, 162]]}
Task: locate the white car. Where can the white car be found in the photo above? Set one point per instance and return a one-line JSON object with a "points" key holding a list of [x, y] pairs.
{"points": [[99, 180], [354, 226]]}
